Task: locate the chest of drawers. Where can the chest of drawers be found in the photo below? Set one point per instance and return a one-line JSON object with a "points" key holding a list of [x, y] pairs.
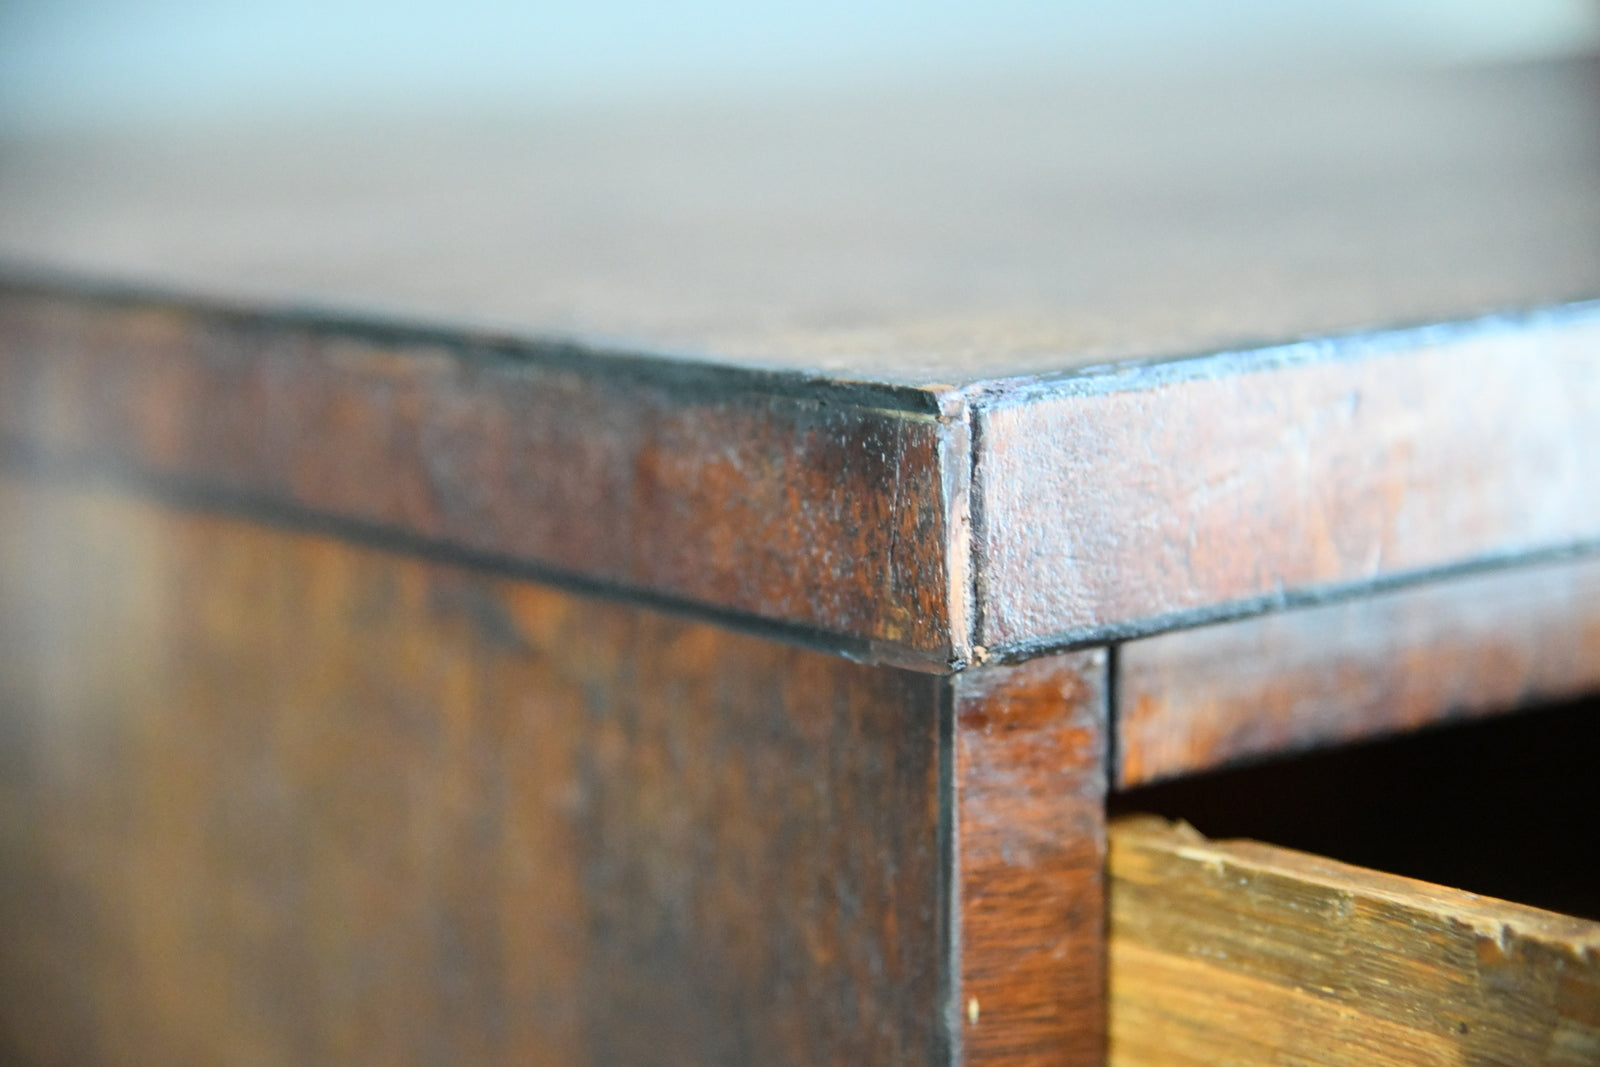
{"points": [[680, 589]]}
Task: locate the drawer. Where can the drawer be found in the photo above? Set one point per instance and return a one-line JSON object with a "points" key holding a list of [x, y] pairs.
{"points": [[1242, 952]]}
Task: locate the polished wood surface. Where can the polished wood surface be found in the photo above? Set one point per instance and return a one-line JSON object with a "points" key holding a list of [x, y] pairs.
{"points": [[1028, 794], [1154, 497], [1035, 377], [270, 797], [931, 528], [1285, 682], [944, 235], [648, 588], [1243, 953], [761, 497]]}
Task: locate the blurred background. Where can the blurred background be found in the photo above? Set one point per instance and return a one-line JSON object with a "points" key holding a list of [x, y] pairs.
{"points": [[783, 182], [67, 63]]}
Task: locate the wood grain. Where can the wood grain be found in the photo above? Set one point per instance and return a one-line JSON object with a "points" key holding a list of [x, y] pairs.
{"points": [[1503, 807], [1191, 700], [268, 797], [1029, 788], [1147, 498], [1014, 400], [769, 497], [1241, 953], [849, 514]]}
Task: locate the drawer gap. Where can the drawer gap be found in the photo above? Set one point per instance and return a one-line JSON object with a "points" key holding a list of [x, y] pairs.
{"points": [[1508, 808]]}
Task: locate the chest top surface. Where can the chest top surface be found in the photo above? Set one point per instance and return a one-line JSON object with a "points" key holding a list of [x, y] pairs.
{"points": [[939, 237]]}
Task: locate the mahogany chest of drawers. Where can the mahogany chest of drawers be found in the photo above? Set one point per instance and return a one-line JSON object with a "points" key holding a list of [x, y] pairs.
{"points": [[681, 588]]}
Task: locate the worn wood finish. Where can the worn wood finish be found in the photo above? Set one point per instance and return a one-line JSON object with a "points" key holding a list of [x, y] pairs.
{"points": [[1097, 507], [1191, 700], [1013, 404], [1242, 953], [266, 797], [271, 796], [1151, 496], [1029, 844], [932, 234], [763, 495]]}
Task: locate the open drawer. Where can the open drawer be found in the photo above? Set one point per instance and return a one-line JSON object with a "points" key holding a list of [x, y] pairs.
{"points": [[1240, 952]]}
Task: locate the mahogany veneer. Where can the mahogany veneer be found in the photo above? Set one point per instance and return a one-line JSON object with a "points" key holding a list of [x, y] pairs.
{"points": [[678, 587]]}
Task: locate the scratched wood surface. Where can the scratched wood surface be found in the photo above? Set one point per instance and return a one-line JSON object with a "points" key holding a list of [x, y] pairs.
{"points": [[1192, 700], [944, 459], [923, 527], [270, 797], [945, 235], [756, 496], [1137, 500], [1242, 953], [1029, 845]]}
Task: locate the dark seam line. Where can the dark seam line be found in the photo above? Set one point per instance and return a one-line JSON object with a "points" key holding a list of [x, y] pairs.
{"points": [[198, 496], [1113, 716], [950, 872], [1287, 600], [976, 532], [1529, 324], [193, 494], [680, 372]]}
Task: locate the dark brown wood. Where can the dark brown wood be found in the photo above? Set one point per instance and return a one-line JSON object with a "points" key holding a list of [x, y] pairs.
{"points": [[1153, 496], [1029, 791], [999, 422], [267, 797], [1097, 507], [1241, 953], [871, 380], [1195, 699], [761, 495]]}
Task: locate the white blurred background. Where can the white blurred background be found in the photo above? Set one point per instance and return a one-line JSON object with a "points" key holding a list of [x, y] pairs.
{"points": [[70, 63]]}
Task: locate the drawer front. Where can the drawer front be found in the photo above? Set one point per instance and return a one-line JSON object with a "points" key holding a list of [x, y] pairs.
{"points": [[1234, 952]]}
